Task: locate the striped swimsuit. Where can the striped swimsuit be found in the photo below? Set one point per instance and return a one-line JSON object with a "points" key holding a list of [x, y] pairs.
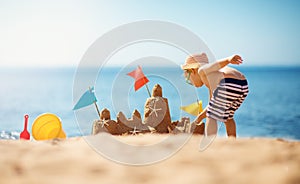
{"points": [[227, 98]]}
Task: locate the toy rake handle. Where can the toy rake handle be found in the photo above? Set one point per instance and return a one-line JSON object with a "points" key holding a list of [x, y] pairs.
{"points": [[26, 121]]}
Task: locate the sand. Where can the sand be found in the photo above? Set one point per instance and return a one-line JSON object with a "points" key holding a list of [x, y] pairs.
{"points": [[245, 160]]}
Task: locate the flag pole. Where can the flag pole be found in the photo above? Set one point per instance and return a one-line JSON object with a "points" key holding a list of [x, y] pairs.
{"points": [[148, 90], [197, 102], [147, 87], [96, 105], [97, 109]]}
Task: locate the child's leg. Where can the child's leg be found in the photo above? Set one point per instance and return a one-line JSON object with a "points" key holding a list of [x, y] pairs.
{"points": [[211, 127], [230, 127]]}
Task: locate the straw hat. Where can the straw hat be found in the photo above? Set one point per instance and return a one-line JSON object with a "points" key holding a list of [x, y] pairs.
{"points": [[195, 61]]}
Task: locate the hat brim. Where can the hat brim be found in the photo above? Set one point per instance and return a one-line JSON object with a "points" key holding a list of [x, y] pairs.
{"points": [[190, 66]]}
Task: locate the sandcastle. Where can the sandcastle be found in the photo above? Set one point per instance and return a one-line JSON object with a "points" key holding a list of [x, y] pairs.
{"points": [[157, 119]]}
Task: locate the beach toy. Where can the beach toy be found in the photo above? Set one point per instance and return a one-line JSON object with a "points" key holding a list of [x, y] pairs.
{"points": [[193, 109], [47, 126], [25, 134]]}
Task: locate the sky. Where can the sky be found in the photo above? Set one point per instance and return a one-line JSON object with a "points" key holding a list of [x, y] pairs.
{"points": [[57, 33]]}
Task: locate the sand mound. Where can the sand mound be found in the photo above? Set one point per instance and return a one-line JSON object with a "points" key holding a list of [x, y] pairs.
{"points": [[226, 161]]}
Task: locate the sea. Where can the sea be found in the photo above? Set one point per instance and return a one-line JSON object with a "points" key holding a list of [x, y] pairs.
{"points": [[271, 108]]}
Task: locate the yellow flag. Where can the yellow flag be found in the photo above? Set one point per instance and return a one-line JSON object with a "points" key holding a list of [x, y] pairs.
{"points": [[193, 109]]}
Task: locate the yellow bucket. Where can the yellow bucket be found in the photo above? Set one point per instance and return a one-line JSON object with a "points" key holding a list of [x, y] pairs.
{"points": [[47, 126]]}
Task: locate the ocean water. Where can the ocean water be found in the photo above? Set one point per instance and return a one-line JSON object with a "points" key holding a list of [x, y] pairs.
{"points": [[270, 110]]}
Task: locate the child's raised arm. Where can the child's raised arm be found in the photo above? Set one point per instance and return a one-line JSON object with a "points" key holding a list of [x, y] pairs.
{"points": [[211, 67]]}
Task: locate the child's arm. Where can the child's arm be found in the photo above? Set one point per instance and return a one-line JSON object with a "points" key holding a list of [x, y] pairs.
{"points": [[212, 67], [201, 116]]}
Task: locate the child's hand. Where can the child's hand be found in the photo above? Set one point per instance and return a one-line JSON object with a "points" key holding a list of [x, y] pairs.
{"points": [[197, 121], [235, 59]]}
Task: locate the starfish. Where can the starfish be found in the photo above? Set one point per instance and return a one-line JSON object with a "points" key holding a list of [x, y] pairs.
{"points": [[152, 130], [134, 131], [154, 108], [104, 122]]}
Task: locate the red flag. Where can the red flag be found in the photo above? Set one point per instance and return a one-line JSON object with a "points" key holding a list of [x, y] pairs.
{"points": [[139, 77]]}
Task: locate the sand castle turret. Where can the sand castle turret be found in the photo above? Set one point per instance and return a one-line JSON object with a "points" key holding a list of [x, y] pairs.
{"points": [[134, 123], [156, 111], [185, 126], [99, 125], [197, 128], [105, 114]]}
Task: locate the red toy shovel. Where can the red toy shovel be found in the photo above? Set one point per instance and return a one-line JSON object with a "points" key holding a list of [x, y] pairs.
{"points": [[25, 134]]}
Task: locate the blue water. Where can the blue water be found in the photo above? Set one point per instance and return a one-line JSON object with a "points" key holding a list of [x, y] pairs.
{"points": [[270, 110]]}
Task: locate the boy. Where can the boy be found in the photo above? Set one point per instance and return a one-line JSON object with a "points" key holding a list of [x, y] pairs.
{"points": [[227, 89]]}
